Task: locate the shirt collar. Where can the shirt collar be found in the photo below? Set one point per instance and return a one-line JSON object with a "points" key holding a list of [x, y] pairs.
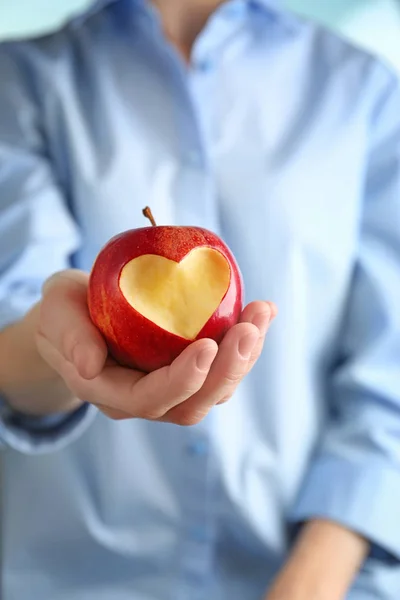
{"points": [[272, 8]]}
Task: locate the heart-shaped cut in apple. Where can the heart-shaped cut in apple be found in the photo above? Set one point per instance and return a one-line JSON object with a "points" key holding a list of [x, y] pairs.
{"points": [[179, 297]]}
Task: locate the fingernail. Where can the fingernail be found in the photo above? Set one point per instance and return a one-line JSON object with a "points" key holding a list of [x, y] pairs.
{"points": [[261, 320], [205, 358], [247, 345]]}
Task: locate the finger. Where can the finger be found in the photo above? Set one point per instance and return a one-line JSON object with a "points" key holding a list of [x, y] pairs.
{"points": [[146, 396], [257, 313], [73, 379], [170, 386], [228, 369], [66, 324], [260, 314]]}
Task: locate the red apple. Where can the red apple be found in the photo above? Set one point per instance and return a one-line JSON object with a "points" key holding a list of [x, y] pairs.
{"points": [[154, 290]]}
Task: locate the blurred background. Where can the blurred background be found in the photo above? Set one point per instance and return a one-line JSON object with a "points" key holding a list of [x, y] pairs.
{"points": [[374, 24]]}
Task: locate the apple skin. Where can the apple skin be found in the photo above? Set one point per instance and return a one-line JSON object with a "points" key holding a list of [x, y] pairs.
{"points": [[133, 340]]}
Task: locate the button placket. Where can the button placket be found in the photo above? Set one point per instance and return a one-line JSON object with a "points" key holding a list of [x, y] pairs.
{"points": [[198, 528]]}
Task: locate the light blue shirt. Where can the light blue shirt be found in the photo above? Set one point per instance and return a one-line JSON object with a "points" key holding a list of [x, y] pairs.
{"points": [[284, 140]]}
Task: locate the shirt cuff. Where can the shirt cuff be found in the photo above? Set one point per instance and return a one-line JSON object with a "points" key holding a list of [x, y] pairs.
{"points": [[42, 435], [363, 497]]}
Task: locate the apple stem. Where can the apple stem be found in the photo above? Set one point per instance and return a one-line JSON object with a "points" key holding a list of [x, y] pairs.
{"points": [[149, 215]]}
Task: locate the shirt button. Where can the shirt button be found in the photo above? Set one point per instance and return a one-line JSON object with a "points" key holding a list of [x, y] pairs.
{"points": [[199, 448], [203, 65]]}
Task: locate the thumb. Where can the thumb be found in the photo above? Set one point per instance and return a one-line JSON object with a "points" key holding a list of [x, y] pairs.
{"points": [[65, 323]]}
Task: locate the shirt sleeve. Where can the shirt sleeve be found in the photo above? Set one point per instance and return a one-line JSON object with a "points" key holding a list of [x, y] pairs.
{"points": [[354, 477], [37, 234]]}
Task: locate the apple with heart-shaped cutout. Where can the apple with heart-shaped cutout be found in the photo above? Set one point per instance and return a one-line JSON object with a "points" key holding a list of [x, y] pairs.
{"points": [[155, 290]]}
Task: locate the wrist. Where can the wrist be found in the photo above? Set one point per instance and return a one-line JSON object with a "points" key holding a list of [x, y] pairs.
{"points": [[323, 564], [28, 384]]}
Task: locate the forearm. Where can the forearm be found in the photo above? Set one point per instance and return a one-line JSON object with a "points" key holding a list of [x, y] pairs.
{"points": [[27, 382], [323, 564]]}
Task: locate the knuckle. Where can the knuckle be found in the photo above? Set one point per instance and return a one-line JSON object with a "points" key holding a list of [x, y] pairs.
{"points": [[81, 390], [155, 414], [50, 283], [225, 399], [114, 415], [232, 378], [190, 419], [182, 388], [72, 278], [185, 393]]}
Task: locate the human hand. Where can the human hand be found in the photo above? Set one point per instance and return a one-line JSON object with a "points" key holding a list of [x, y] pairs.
{"points": [[182, 393]]}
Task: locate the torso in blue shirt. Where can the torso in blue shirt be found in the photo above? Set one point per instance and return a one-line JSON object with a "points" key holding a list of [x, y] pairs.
{"points": [[281, 139]]}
